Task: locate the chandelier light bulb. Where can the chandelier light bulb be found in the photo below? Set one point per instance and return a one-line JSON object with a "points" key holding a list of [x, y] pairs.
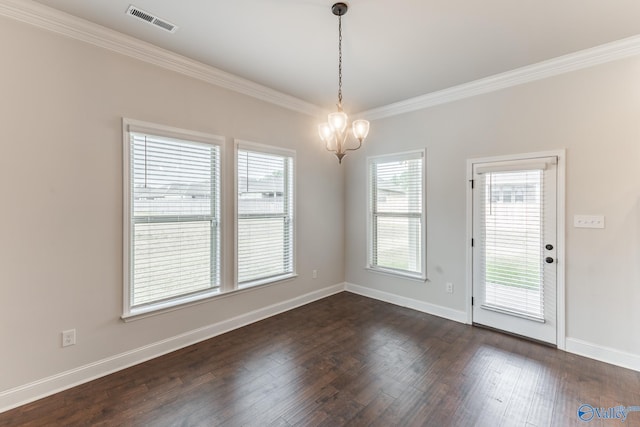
{"points": [[360, 129], [338, 121], [325, 132]]}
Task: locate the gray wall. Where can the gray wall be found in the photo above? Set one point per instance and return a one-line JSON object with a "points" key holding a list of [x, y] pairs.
{"points": [[61, 106], [594, 114]]}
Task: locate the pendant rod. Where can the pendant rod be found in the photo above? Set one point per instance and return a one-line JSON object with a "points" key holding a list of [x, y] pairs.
{"points": [[340, 62]]}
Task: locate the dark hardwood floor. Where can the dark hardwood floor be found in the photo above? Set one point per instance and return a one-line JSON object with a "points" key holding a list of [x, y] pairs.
{"points": [[348, 360]]}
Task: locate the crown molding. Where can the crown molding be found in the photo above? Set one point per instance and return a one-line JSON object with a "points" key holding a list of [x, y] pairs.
{"points": [[77, 28], [562, 64], [68, 25]]}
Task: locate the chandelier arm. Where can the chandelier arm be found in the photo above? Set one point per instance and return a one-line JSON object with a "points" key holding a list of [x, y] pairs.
{"points": [[354, 149], [343, 141]]}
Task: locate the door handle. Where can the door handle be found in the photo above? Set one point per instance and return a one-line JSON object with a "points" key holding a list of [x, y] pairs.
{"points": [[548, 247], [548, 260]]}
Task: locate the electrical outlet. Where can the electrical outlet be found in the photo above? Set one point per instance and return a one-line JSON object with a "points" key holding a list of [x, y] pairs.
{"points": [[449, 288], [314, 274], [68, 337]]}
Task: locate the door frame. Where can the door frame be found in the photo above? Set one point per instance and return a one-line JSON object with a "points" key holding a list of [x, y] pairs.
{"points": [[560, 226]]}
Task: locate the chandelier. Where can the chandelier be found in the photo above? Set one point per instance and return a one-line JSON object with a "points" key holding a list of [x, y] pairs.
{"points": [[334, 132]]}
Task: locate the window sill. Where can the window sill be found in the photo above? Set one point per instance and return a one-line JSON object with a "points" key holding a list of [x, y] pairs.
{"points": [[397, 273], [177, 304], [171, 305], [267, 281]]}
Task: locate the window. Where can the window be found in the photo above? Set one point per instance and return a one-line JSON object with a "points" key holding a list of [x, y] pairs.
{"points": [[172, 217], [396, 223], [264, 206]]}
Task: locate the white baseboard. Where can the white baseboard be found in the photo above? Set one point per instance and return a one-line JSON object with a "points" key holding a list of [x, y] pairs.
{"points": [[603, 354], [30, 392], [573, 345], [425, 307]]}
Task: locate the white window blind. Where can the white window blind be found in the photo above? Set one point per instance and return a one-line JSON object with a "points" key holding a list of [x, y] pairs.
{"points": [[174, 205], [265, 240], [511, 222], [396, 214]]}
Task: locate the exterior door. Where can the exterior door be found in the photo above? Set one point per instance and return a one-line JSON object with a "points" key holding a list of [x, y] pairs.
{"points": [[514, 246]]}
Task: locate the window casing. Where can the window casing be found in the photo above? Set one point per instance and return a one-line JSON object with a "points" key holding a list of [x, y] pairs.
{"points": [[397, 216], [172, 235], [265, 229]]}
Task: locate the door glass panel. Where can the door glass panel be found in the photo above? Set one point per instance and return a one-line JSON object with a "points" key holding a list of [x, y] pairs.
{"points": [[511, 221]]}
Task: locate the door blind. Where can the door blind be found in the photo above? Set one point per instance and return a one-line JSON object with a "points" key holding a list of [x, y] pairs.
{"points": [[511, 227]]}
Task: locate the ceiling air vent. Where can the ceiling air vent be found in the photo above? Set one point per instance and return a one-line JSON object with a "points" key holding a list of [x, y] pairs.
{"points": [[149, 18]]}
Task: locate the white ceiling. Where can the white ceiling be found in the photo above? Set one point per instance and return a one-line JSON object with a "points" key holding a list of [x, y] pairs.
{"points": [[393, 50]]}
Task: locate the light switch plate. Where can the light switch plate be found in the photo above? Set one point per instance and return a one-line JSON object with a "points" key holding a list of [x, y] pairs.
{"points": [[588, 221]]}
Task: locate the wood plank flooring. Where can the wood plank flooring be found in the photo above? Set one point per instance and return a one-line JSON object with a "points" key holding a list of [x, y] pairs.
{"points": [[348, 360]]}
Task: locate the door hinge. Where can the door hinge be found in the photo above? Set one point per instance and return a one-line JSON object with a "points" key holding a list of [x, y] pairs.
{"points": [[472, 301], [473, 243], [472, 181]]}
